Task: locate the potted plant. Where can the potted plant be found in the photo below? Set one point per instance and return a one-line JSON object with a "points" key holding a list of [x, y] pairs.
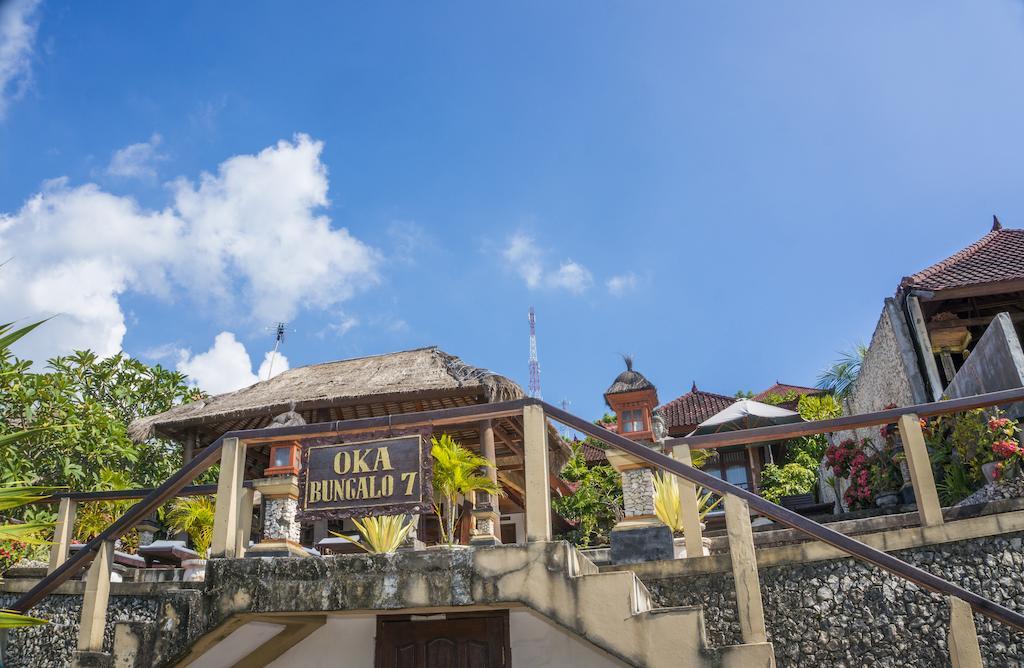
{"points": [[194, 515], [457, 472]]}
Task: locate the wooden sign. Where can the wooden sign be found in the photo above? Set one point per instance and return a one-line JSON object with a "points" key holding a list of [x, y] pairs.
{"points": [[388, 476]]}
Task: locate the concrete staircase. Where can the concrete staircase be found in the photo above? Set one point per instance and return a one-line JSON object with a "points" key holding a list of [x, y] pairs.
{"points": [[614, 610]]}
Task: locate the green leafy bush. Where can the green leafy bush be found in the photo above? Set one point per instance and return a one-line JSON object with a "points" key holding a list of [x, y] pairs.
{"points": [[780, 481]]}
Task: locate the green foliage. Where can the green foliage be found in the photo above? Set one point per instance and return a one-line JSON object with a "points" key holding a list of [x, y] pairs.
{"points": [[774, 399], [194, 515], [78, 410], [744, 394], [14, 538], [381, 535], [596, 504], [780, 481], [839, 378], [93, 517], [456, 472]]}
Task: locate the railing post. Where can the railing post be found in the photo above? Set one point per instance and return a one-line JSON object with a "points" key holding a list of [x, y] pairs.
{"points": [[928, 507], [229, 492], [744, 570], [964, 650], [692, 534], [538, 491], [244, 524], [63, 533], [97, 595]]}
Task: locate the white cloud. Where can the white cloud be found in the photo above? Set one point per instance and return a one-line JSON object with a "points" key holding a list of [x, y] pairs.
{"points": [[621, 284], [18, 27], [527, 260], [249, 239], [409, 241], [226, 366], [571, 276], [137, 161], [347, 323]]}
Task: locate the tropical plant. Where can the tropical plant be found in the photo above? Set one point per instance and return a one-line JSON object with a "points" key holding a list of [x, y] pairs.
{"points": [[787, 480], [382, 534], [194, 515], [14, 536], [839, 378], [457, 472], [595, 505], [667, 506], [93, 517]]}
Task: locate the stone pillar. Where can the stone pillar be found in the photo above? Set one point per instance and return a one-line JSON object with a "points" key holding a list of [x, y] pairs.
{"points": [[538, 487], [640, 536], [964, 651], [692, 531], [281, 528], [147, 529], [928, 507], [485, 508], [94, 603], [229, 489], [63, 532], [744, 570]]}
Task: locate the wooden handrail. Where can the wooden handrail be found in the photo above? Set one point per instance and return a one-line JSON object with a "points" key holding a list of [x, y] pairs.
{"points": [[788, 518], [179, 481], [123, 494], [786, 431]]}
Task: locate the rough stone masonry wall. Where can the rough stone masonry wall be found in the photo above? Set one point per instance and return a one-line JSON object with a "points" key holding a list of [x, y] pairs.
{"points": [[52, 645], [845, 614]]}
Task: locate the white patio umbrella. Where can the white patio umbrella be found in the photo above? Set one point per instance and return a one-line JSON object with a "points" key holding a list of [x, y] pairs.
{"points": [[746, 414]]}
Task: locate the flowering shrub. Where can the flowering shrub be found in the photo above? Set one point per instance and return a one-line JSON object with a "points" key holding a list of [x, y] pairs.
{"points": [[869, 474], [11, 553], [1004, 434]]}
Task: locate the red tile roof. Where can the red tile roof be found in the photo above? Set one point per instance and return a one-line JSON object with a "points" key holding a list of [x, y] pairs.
{"points": [[593, 455], [782, 389], [686, 412], [997, 256]]}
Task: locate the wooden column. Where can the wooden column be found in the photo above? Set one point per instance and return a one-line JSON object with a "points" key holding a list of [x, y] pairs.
{"points": [[538, 490], [243, 526], [94, 603], [964, 651], [487, 452], [692, 534], [229, 492], [928, 507], [63, 532], [744, 570]]}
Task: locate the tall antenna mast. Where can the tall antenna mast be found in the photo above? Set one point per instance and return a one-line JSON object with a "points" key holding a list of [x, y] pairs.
{"points": [[279, 331], [534, 387]]}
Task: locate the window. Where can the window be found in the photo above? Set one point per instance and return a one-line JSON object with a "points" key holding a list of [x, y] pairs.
{"points": [[730, 466], [633, 420]]}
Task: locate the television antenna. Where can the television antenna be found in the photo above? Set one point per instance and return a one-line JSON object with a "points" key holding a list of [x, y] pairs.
{"points": [[280, 329]]}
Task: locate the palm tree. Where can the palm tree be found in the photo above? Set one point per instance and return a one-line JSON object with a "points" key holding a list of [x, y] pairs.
{"points": [[839, 378], [456, 472], [194, 515]]}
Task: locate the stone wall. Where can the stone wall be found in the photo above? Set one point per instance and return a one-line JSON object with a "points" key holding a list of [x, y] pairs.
{"points": [[52, 645], [843, 613], [888, 375]]}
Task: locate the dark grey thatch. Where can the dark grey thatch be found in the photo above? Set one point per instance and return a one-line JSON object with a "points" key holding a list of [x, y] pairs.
{"points": [[629, 380], [377, 385]]}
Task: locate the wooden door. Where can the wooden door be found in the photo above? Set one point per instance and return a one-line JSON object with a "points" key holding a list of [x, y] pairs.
{"points": [[471, 640]]}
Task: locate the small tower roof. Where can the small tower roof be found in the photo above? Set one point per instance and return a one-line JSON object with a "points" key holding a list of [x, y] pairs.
{"points": [[629, 380]]}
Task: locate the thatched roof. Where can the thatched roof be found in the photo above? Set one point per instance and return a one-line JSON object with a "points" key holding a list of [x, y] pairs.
{"points": [[629, 380], [400, 382]]}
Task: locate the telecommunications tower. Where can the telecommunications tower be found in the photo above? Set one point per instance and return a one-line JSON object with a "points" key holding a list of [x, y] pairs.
{"points": [[534, 387], [280, 329]]}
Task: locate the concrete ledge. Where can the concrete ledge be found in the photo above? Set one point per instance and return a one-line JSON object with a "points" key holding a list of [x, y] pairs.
{"points": [[888, 541]]}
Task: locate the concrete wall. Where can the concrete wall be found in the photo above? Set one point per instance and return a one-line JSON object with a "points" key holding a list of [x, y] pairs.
{"points": [[844, 613], [996, 363], [342, 642]]}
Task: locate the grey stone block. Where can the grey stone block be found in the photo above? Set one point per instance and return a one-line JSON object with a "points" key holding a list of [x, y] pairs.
{"points": [[638, 544]]}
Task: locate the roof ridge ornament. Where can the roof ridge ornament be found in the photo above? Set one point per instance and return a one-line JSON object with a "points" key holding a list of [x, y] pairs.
{"points": [[996, 225]]}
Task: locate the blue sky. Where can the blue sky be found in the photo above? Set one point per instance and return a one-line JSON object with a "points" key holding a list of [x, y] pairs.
{"points": [[726, 190]]}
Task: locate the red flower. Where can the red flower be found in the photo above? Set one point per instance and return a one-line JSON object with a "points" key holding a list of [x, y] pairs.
{"points": [[1005, 449]]}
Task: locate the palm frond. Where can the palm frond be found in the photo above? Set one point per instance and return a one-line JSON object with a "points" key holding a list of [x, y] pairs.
{"points": [[8, 337], [27, 532], [10, 619]]}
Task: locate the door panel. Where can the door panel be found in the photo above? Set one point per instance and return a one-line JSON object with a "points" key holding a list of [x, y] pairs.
{"points": [[467, 640]]}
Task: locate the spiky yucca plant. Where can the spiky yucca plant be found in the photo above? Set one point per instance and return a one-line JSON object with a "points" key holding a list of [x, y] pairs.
{"points": [[382, 534], [457, 471], [666, 502]]}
